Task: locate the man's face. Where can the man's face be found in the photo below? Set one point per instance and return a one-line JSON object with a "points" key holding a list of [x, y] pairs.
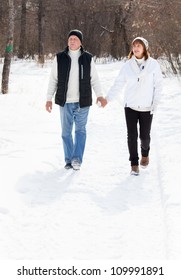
{"points": [[74, 43]]}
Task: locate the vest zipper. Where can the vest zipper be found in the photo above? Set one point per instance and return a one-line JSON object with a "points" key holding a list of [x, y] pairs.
{"points": [[68, 72], [82, 72]]}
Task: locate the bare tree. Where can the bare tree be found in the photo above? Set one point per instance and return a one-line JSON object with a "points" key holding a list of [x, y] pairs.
{"points": [[120, 43], [41, 26], [41, 30], [22, 42], [8, 50], [168, 35]]}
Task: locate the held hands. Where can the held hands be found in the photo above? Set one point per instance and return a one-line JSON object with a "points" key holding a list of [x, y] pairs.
{"points": [[48, 106], [102, 101]]}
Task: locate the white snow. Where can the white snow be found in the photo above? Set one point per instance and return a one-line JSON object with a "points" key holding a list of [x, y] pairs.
{"points": [[99, 212]]}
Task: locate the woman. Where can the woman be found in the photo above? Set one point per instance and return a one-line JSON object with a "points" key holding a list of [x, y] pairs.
{"points": [[141, 79]]}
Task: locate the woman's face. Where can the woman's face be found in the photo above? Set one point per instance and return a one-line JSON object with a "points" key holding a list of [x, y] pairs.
{"points": [[138, 50]]}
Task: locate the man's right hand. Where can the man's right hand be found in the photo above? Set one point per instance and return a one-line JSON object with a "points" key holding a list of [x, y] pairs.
{"points": [[48, 106]]}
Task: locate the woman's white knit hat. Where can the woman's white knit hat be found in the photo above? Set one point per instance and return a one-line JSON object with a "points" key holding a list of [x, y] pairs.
{"points": [[145, 42]]}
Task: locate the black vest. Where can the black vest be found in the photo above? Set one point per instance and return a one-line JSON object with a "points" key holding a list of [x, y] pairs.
{"points": [[64, 64]]}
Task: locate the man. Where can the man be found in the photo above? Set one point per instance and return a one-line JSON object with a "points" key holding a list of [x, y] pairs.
{"points": [[72, 78]]}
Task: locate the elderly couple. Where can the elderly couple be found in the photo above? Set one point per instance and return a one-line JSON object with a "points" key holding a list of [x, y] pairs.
{"points": [[72, 78]]}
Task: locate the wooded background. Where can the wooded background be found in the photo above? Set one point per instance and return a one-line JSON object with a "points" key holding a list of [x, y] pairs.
{"points": [[40, 27]]}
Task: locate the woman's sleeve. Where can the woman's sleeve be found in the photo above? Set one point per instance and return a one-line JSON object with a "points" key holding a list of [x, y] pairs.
{"points": [[158, 86], [117, 87]]}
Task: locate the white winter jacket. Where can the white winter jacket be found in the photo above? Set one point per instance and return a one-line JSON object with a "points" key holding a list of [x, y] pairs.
{"points": [[141, 85]]}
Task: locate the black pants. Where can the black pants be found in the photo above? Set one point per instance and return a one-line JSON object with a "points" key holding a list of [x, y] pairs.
{"points": [[132, 119]]}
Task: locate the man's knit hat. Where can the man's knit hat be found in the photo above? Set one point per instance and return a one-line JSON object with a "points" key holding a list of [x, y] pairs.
{"points": [[145, 42], [77, 33]]}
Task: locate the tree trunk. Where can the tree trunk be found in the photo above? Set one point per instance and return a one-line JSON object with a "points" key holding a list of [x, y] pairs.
{"points": [[41, 30], [115, 49], [8, 50], [120, 44], [22, 43]]}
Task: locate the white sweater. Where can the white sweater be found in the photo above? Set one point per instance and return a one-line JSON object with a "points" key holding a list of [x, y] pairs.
{"points": [[73, 83], [142, 85]]}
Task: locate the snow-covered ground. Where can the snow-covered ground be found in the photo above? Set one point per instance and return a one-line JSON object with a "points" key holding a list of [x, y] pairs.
{"points": [[100, 212]]}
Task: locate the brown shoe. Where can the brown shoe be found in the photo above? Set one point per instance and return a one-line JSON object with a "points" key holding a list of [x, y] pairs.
{"points": [[135, 170], [144, 162]]}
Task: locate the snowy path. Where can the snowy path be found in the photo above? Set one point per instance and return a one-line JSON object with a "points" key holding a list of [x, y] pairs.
{"points": [[100, 212]]}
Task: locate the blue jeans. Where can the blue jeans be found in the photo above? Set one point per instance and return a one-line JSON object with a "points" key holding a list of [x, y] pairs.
{"points": [[71, 114]]}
